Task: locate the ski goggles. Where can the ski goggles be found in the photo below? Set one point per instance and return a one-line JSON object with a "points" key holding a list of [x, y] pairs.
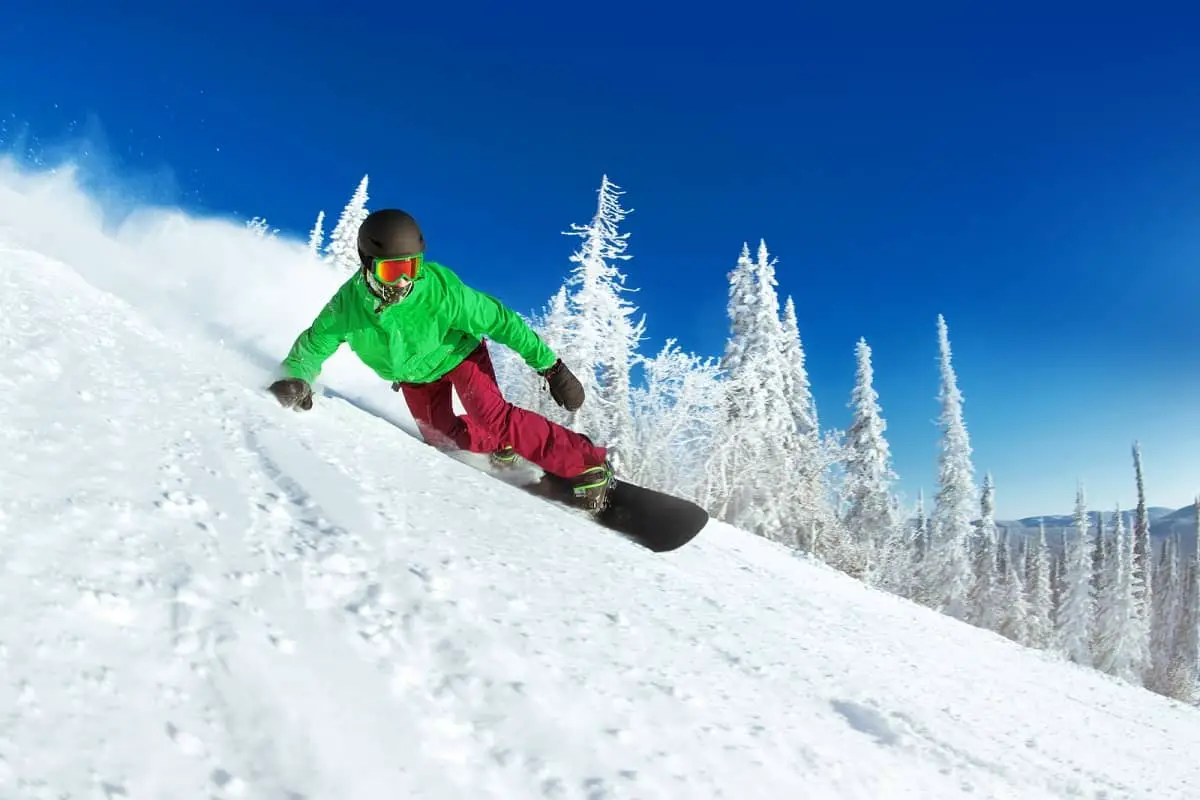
{"points": [[391, 271]]}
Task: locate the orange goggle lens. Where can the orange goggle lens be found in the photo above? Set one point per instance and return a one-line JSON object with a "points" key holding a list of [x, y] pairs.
{"points": [[393, 270]]}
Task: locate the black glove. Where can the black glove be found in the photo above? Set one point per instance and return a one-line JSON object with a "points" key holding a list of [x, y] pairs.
{"points": [[292, 393], [565, 388]]}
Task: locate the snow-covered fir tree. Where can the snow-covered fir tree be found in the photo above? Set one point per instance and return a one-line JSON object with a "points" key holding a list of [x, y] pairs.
{"points": [[1184, 680], [676, 413], [987, 597], [895, 563], [1116, 646], [947, 569], [522, 386], [1040, 626], [1142, 567], [1186, 664], [751, 471], [806, 507], [1057, 560], [1099, 544], [554, 326], [601, 338], [812, 508], [727, 496], [1076, 605], [741, 308], [869, 517], [1189, 638], [1167, 619], [342, 250], [797, 387], [920, 539], [260, 228], [316, 237], [1013, 607], [1176, 636]]}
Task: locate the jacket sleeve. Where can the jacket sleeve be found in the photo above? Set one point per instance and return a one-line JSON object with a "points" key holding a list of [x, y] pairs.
{"points": [[317, 343], [481, 314]]}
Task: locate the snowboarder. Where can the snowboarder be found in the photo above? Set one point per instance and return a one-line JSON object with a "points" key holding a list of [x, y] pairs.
{"points": [[417, 325]]}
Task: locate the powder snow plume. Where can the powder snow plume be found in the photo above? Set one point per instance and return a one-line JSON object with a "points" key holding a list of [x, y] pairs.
{"points": [[205, 596], [209, 280]]}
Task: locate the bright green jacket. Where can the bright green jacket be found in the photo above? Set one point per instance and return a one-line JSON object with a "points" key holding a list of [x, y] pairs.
{"points": [[418, 339]]}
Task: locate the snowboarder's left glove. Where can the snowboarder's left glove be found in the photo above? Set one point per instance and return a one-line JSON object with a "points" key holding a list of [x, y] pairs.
{"points": [[292, 393], [565, 388]]}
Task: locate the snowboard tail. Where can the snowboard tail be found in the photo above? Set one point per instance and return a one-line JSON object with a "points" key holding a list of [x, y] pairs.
{"points": [[657, 521]]}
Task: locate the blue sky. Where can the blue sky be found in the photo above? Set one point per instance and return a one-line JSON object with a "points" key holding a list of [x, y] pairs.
{"points": [[1031, 174]]}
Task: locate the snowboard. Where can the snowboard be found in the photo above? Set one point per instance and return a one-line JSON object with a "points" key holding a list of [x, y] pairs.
{"points": [[655, 520]]}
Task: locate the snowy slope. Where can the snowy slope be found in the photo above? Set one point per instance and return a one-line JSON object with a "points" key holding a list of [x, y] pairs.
{"points": [[202, 595]]}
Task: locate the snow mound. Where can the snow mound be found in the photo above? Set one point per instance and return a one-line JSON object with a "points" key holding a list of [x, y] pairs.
{"points": [[203, 595]]}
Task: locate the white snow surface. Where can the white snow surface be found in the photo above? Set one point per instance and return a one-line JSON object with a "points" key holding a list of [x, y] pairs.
{"points": [[205, 596]]}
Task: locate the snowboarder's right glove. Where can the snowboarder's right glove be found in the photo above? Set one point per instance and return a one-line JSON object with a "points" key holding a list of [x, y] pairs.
{"points": [[292, 393], [565, 388]]}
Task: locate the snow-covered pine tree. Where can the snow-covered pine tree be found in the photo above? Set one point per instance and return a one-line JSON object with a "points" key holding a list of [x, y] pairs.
{"points": [[1099, 554], [920, 537], [342, 250], [1040, 627], [1116, 647], [1187, 639], [603, 342], [522, 386], [260, 228], [918, 545], [676, 415], [1167, 618], [947, 573], [796, 385], [1142, 567], [740, 308], [725, 495], [1076, 605], [555, 323], [316, 237], [1014, 609], [808, 457], [1058, 571], [986, 607], [1184, 676], [869, 518], [753, 467], [894, 568], [718, 489]]}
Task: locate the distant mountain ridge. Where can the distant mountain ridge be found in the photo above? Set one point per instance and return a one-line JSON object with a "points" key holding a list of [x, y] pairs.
{"points": [[1067, 520], [1163, 523]]}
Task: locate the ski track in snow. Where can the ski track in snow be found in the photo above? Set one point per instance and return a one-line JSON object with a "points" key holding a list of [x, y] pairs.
{"points": [[203, 595]]}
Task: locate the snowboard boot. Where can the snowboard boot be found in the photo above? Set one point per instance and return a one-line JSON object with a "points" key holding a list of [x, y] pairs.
{"points": [[591, 487], [503, 458]]}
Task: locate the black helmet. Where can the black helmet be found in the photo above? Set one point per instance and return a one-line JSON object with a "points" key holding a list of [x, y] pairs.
{"points": [[388, 233]]}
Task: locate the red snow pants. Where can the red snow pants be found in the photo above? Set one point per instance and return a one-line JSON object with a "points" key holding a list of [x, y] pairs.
{"points": [[492, 422]]}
